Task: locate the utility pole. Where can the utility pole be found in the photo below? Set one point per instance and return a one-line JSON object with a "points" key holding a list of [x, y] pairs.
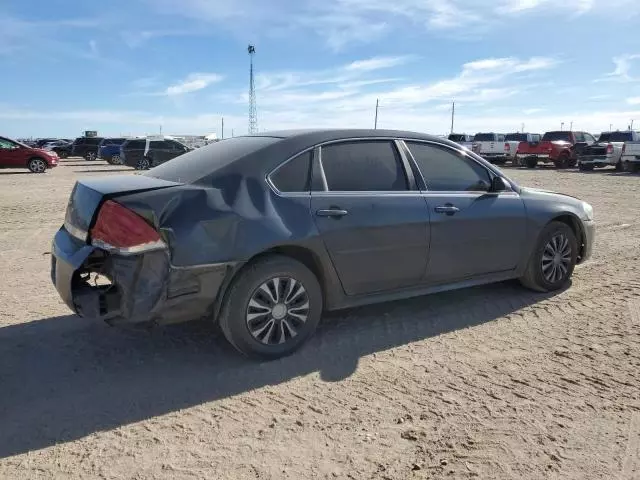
{"points": [[453, 114], [375, 122], [631, 128], [571, 126], [561, 126], [160, 129], [222, 128], [253, 114], [523, 127], [611, 127]]}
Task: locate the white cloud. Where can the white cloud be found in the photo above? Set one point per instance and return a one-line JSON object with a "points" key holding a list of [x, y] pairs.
{"points": [[193, 83], [623, 64], [377, 63], [633, 101]]}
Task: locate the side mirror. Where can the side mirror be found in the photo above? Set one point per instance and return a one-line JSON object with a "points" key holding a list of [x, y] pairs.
{"points": [[498, 184]]}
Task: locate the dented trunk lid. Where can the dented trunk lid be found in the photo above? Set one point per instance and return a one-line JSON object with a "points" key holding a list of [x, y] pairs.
{"points": [[88, 195]]}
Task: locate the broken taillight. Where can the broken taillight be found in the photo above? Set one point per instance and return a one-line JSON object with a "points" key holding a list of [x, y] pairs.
{"points": [[118, 229]]}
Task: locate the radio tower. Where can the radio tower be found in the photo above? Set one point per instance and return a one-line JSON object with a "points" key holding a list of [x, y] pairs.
{"points": [[253, 114]]}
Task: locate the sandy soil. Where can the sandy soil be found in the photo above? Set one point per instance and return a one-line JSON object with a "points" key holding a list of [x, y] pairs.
{"points": [[492, 382]]}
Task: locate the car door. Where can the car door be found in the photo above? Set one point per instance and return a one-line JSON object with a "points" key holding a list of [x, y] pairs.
{"points": [[374, 223], [474, 232], [175, 150], [11, 154]]}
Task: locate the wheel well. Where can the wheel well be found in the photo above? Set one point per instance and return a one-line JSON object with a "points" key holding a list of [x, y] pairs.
{"points": [[573, 223], [301, 254]]}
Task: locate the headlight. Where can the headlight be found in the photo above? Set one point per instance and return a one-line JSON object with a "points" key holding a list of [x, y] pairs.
{"points": [[588, 210]]}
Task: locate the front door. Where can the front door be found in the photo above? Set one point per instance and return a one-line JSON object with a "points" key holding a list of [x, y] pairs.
{"points": [[375, 228], [11, 154], [474, 232]]}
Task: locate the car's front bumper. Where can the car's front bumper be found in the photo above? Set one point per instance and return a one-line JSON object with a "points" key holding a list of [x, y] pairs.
{"points": [[589, 233], [144, 287]]}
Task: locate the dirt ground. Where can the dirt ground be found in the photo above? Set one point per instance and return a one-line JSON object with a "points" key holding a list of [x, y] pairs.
{"points": [[492, 382]]}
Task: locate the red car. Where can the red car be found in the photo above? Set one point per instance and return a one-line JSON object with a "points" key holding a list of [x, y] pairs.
{"points": [[18, 155]]}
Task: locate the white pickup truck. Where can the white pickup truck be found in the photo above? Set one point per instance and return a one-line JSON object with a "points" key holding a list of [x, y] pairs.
{"points": [[607, 151], [630, 155], [462, 139], [490, 146]]}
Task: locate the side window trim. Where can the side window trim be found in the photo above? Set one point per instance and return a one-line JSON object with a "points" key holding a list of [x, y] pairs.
{"points": [[425, 189]]}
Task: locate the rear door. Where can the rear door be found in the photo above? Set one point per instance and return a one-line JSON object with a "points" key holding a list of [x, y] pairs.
{"points": [[374, 223], [175, 149], [473, 232]]}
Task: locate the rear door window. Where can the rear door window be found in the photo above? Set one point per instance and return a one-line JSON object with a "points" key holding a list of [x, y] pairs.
{"points": [[444, 170], [135, 145], [363, 166]]}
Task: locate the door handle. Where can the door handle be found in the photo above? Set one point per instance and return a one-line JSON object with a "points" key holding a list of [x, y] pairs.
{"points": [[332, 212], [448, 209]]}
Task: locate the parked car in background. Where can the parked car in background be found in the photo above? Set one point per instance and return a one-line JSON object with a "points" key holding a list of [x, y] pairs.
{"points": [[41, 142], [259, 235], [14, 154], [109, 150], [513, 140], [630, 156], [145, 153], [606, 151], [86, 147], [490, 146], [462, 139], [558, 147]]}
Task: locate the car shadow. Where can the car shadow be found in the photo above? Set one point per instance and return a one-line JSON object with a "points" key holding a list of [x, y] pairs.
{"points": [[611, 172], [64, 378], [15, 173]]}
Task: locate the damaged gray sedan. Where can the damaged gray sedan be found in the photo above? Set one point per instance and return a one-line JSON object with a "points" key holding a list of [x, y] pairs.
{"points": [[262, 233]]}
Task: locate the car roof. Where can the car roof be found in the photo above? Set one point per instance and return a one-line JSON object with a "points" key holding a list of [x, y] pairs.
{"points": [[322, 135]]}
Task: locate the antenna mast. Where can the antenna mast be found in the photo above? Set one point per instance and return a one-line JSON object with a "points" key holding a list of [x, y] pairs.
{"points": [[253, 114]]}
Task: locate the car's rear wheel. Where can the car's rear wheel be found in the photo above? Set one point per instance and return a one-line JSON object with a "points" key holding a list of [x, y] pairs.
{"points": [[143, 164], [115, 160], [90, 156], [37, 165], [272, 308], [63, 154], [553, 260], [585, 167], [531, 162]]}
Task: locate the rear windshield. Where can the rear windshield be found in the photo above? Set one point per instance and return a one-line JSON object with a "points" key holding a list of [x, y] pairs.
{"points": [[455, 137], [484, 137], [516, 137], [616, 137], [555, 136], [193, 166]]}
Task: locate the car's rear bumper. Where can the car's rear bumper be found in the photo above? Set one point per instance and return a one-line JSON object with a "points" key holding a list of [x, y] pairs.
{"points": [[140, 288], [596, 160], [589, 231]]}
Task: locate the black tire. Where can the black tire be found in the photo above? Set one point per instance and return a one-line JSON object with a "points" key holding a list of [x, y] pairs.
{"points": [[531, 162], [90, 156], [63, 155], [619, 166], [144, 163], [114, 160], [630, 167], [534, 276], [562, 161], [37, 165], [234, 315], [585, 167]]}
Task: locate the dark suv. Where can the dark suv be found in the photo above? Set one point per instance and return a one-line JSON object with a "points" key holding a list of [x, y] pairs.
{"points": [[145, 153], [86, 147]]}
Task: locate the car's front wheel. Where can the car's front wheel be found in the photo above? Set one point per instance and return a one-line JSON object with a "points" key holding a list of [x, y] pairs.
{"points": [[37, 165], [553, 260], [272, 308]]}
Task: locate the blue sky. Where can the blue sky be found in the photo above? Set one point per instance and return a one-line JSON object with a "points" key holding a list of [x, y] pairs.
{"points": [[129, 66]]}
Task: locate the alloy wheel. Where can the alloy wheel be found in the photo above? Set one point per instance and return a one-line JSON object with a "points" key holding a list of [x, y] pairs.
{"points": [[277, 310], [37, 165], [91, 156], [556, 258], [115, 160]]}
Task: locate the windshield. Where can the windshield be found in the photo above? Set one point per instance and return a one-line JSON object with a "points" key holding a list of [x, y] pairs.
{"points": [[484, 137], [193, 166], [556, 136], [516, 137], [455, 137], [616, 137]]}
